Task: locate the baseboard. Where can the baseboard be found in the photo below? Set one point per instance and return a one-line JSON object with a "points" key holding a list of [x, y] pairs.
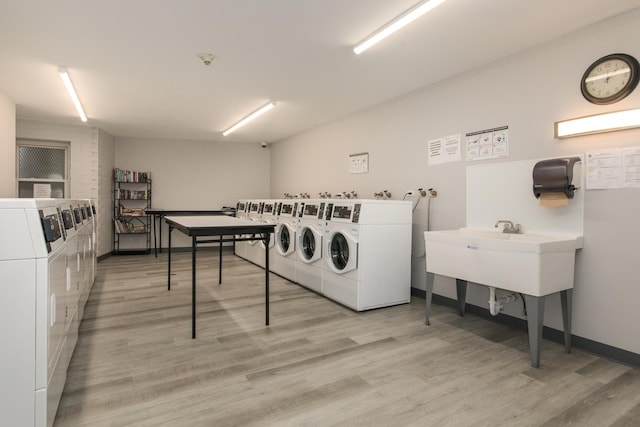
{"points": [[103, 257], [590, 346]]}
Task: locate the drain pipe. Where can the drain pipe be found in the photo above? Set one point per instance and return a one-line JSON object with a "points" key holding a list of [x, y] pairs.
{"points": [[497, 304]]}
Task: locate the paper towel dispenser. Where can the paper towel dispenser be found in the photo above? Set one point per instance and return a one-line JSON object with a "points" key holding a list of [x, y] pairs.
{"points": [[554, 176]]}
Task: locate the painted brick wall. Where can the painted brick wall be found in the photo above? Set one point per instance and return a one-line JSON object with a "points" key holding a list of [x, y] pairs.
{"points": [[7, 147], [83, 168], [106, 156]]}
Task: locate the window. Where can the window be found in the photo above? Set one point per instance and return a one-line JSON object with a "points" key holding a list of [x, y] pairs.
{"points": [[43, 169]]}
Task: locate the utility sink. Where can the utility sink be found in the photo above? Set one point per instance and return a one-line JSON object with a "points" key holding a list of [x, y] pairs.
{"points": [[532, 264]]}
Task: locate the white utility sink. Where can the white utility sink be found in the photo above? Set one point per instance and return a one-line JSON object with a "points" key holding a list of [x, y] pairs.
{"points": [[533, 264]]}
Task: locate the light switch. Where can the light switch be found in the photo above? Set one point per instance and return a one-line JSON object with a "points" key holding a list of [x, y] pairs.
{"points": [[359, 163]]}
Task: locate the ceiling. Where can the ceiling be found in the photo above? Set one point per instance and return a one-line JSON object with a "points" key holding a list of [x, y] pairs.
{"points": [[135, 66]]}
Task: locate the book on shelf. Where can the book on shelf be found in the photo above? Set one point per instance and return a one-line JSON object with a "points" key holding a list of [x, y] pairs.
{"points": [[138, 228], [123, 227], [125, 211], [126, 194], [122, 175]]}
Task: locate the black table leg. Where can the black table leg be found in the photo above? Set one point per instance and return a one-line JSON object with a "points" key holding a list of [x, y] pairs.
{"points": [[160, 233], [266, 277], [169, 262], [155, 230], [220, 263], [193, 287]]}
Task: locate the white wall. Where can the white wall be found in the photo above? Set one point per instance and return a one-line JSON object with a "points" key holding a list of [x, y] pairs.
{"points": [[527, 92], [7, 147], [196, 174]]}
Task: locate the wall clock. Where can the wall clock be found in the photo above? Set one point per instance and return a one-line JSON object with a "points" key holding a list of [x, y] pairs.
{"points": [[610, 78]]}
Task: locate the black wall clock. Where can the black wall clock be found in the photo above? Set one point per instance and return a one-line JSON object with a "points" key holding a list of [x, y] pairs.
{"points": [[610, 78]]}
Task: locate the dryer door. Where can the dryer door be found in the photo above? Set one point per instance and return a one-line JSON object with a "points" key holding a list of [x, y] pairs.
{"points": [[285, 239], [309, 244], [342, 252]]}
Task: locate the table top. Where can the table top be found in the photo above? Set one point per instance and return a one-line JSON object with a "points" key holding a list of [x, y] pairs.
{"points": [[217, 225]]}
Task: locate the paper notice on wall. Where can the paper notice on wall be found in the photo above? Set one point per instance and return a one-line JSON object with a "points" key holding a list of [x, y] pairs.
{"points": [[41, 191], [631, 167], [444, 150], [604, 169], [488, 143], [613, 168]]}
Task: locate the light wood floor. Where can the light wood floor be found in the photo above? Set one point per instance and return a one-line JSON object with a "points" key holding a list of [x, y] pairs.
{"points": [[318, 364]]}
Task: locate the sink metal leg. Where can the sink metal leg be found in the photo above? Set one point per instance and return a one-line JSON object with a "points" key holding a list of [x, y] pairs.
{"points": [[461, 291], [535, 319], [566, 301], [429, 295]]}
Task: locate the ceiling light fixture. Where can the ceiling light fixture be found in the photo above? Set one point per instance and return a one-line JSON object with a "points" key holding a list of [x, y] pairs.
{"points": [[397, 23], [599, 123], [64, 75], [268, 106]]}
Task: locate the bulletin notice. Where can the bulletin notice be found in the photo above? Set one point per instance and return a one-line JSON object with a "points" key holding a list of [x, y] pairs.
{"points": [[488, 143], [613, 168], [444, 150]]}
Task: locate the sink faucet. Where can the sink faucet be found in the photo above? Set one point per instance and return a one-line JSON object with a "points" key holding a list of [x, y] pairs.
{"points": [[509, 227]]}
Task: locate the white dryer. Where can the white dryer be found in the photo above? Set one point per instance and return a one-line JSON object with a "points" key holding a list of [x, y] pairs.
{"points": [[43, 269], [310, 234], [284, 261], [367, 253]]}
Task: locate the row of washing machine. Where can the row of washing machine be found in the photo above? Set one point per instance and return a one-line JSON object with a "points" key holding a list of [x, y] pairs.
{"points": [[47, 269], [354, 251]]}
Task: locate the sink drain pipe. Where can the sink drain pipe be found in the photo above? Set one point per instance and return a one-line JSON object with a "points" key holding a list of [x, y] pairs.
{"points": [[496, 305]]}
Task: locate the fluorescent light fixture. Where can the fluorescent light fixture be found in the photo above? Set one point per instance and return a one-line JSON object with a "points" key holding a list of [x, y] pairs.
{"points": [[64, 75], [268, 106], [599, 123], [394, 25]]}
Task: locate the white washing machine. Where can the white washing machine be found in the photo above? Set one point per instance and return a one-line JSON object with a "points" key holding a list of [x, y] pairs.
{"points": [[284, 261], [253, 248], [270, 216], [242, 210], [310, 234], [367, 253]]}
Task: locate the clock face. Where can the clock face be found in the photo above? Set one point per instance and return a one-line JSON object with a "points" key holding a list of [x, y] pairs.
{"points": [[610, 79]]}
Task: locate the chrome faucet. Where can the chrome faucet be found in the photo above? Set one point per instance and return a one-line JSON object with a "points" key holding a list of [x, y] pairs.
{"points": [[509, 227]]}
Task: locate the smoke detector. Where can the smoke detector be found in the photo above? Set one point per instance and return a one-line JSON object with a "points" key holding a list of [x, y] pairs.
{"points": [[207, 58]]}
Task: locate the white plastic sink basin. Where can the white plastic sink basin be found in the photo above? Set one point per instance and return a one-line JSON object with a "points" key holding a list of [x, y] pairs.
{"points": [[533, 264]]}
